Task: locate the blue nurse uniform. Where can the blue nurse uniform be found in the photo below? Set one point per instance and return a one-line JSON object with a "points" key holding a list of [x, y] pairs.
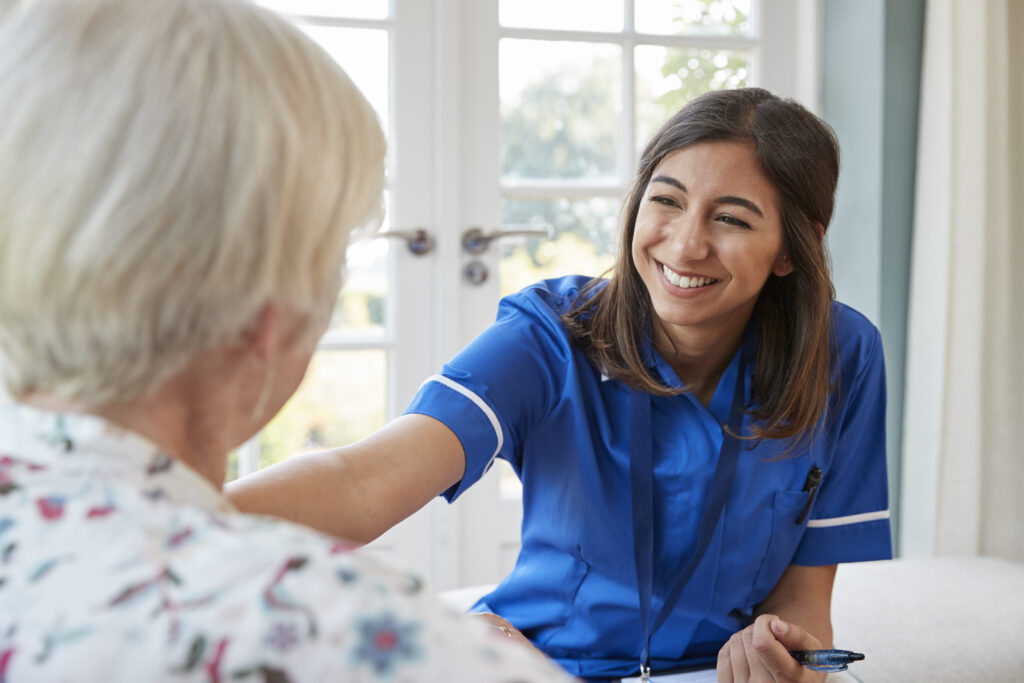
{"points": [[522, 392]]}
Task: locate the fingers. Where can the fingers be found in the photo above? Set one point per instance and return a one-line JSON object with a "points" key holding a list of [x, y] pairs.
{"points": [[724, 666], [760, 652], [738, 657], [506, 629]]}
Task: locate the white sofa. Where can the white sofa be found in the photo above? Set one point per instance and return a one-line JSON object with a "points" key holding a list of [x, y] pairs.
{"points": [[937, 619]]}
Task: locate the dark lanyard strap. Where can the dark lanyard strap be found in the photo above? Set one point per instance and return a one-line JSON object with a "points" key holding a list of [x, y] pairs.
{"points": [[641, 474]]}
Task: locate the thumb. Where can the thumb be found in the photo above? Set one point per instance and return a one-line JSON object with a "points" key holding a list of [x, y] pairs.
{"points": [[792, 636]]}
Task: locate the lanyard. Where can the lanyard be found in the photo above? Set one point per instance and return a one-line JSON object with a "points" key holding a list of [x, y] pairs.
{"points": [[641, 474]]}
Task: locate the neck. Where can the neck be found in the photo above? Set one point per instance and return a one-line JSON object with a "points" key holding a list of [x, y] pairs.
{"points": [[699, 356], [185, 426], [189, 416]]}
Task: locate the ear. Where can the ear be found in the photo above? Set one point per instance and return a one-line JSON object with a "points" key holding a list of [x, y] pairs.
{"points": [[782, 266], [264, 337]]}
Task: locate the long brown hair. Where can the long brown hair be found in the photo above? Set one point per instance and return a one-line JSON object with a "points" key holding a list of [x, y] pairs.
{"points": [[799, 155]]}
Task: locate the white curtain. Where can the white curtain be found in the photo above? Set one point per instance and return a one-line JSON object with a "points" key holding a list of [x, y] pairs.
{"points": [[963, 449]]}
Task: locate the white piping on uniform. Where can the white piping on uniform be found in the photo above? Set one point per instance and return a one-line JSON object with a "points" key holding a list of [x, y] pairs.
{"points": [[455, 386], [849, 519]]}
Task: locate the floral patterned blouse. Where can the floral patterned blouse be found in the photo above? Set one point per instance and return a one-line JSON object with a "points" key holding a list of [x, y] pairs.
{"points": [[118, 563]]}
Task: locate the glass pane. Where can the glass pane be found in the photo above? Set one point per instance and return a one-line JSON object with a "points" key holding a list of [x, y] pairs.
{"points": [[361, 308], [341, 400], [569, 15], [668, 78], [363, 53], [695, 17], [585, 241], [560, 109], [346, 9]]}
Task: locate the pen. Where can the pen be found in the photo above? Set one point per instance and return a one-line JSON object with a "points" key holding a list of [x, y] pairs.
{"points": [[826, 660], [818, 660]]}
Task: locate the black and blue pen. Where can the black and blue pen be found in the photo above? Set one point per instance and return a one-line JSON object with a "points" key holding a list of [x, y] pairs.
{"points": [[826, 660]]}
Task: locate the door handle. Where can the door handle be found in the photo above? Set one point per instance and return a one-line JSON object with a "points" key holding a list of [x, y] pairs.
{"points": [[476, 240], [418, 240]]}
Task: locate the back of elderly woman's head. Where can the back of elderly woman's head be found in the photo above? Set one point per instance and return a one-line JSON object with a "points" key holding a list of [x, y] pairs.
{"points": [[167, 167]]}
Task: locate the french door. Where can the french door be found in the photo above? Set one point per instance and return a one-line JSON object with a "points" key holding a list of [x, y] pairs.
{"points": [[521, 120]]}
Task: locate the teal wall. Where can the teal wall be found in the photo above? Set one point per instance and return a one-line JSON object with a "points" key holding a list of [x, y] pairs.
{"points": [[871, 86]]}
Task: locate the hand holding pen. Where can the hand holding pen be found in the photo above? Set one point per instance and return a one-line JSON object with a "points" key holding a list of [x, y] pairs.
{"points": [[764, 651]]}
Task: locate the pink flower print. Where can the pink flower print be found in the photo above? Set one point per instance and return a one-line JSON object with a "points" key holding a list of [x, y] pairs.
{"points": [[179, 537], [102, 511], [5, 661], [340, 545], [51, 508]]}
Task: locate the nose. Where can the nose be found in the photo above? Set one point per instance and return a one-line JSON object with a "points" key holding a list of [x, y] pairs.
{"points": [[690, 237]]}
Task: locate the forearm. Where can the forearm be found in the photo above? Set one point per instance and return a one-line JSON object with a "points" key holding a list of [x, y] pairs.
{"points": [[360, 491], [803, 597]]}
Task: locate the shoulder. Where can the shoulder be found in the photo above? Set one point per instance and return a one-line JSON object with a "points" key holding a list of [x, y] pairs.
{"points": [[548, 298], [536, 311], [858, 341]]}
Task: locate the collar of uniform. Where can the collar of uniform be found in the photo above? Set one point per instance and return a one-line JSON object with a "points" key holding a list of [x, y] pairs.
{"points": [[90, 447], [721, 401]]}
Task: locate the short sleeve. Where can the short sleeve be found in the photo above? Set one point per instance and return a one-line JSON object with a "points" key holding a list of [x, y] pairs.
{"points": [[501, 384], [850, 518]]}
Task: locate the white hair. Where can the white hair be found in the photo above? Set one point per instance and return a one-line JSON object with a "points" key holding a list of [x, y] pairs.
{"points": [[167, 167]]}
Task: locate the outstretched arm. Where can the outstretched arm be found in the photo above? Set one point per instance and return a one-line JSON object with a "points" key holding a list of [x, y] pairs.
{"points": [[359, 491]]}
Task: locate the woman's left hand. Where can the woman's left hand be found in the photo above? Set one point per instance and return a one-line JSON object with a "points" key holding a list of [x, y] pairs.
{"points": [[760, 652]]}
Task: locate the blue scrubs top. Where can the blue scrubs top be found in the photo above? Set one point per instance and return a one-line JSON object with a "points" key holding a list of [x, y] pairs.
{"points": [[522, 392]]}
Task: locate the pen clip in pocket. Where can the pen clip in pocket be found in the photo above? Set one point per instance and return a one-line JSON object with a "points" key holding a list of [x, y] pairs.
{"points": [[811, 487]]}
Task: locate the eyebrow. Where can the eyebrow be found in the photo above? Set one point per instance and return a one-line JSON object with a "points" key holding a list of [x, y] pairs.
{"points": [[727, 199]]}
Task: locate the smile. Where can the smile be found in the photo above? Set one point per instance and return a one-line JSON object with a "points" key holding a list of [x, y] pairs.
{"points": [[686, 282]]}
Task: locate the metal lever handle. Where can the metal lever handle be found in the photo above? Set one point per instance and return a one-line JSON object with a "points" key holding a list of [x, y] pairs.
{"points": [[476, 240], [418, 240]]}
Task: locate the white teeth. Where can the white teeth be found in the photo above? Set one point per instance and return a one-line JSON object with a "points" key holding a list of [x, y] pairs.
{"points": [[684, 281]]}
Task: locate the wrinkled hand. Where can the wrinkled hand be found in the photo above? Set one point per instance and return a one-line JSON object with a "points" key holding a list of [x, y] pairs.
{"points": [[760, 652], [506, 630]]}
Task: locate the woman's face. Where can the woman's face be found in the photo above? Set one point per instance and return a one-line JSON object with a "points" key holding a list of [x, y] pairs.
{"points": [[708, 234]]}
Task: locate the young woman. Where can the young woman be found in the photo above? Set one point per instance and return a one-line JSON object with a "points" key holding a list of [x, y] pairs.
{"points": [[700, 438]]}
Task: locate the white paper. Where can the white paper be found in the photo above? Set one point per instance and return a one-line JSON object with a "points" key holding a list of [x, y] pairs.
{"points": [[711, 676], [702, 676]]}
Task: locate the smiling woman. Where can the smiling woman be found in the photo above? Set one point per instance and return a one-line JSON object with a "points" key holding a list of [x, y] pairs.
{"points": [[708, 409], [738, 186], [704, 251]]}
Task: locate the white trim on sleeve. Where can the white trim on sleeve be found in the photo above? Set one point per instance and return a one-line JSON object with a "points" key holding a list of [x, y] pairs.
{"points": [[849, 519], [455, 386]]}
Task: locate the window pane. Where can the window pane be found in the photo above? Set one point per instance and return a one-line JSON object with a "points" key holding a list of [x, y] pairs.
{"points": [[341, 400], [560, 109], [668, 78], [570, 15], [694, 17], [346, 9], [361, 308], [585, 241], [363, 53]]}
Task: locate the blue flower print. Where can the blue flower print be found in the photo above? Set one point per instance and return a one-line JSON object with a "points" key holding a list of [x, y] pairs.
{"points": [[385, 644]]}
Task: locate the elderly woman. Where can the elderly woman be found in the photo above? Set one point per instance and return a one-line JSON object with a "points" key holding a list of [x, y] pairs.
{"points": [[178, 182]]}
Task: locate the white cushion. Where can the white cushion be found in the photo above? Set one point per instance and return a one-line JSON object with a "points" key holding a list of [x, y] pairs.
{"points": [[934, 619]]}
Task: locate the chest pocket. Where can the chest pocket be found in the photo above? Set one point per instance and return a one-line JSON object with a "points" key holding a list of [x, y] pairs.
{"points": [[785, 537]]}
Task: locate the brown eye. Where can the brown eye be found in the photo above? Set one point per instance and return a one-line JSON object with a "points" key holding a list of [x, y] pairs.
{"points": [[732, 220]]}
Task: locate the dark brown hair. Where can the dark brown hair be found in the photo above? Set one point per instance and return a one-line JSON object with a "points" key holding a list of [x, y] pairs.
{"points": [[799, 155]]}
